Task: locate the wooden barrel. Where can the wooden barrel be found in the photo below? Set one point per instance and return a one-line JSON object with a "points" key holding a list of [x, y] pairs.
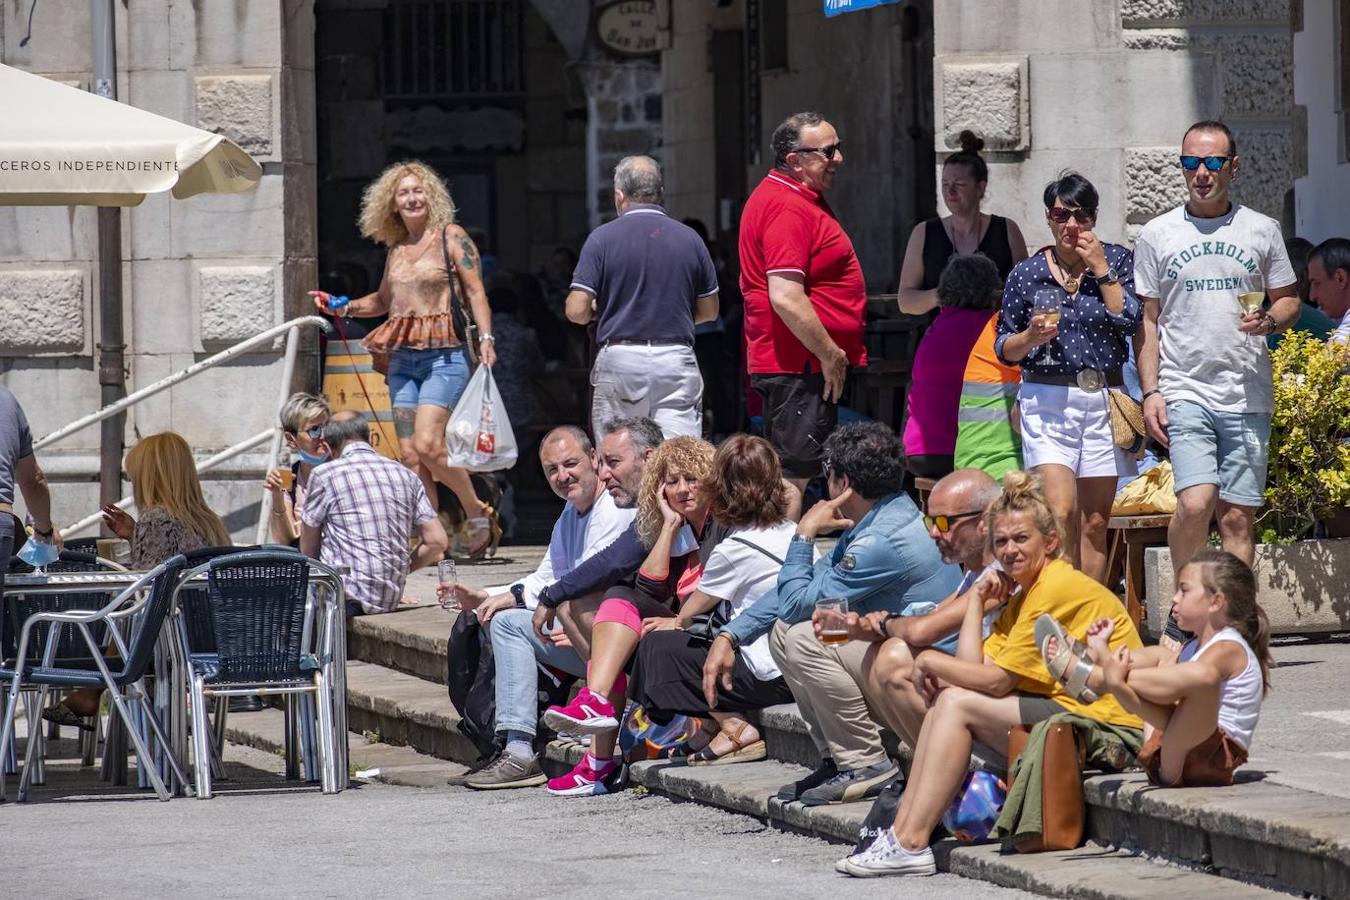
{"points": [[343, 391]]}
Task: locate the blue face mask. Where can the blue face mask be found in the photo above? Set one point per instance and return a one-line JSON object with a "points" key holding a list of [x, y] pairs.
{"points": [[38, 553], [685, 541], [311, 458]]}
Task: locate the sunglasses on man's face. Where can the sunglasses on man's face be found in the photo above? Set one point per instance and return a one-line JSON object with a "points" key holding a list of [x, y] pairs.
{"points": [[944, 523], [827, 152], [1060, 215], [1213, 163]]}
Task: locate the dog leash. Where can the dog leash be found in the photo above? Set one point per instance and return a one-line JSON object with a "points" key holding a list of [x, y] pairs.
{"points": [[342, 335]]}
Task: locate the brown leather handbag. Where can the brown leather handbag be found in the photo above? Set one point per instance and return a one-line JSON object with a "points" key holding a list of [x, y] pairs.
{"points": [[1062, 809]]}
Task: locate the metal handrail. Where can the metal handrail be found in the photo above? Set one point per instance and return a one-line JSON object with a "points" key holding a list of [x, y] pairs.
{"points": [[203, 466], [197, 368], [290, 329]]}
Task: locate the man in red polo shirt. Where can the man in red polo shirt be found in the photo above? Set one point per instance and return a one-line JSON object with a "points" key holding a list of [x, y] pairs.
{"points": [[804, 294]]}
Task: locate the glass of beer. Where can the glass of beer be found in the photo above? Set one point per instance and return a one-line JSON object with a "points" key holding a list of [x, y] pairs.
{"points": [[832, 613], [287, 477], [446, 576], [107, 548]]}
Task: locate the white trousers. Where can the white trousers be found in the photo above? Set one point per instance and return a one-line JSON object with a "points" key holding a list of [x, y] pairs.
{"points": [[660, 382]]}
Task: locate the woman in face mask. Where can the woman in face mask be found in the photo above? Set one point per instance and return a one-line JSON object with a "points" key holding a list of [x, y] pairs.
{"points": [[302, 421]]}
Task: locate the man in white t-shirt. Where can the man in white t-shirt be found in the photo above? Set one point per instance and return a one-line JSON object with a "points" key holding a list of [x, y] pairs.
{"points": [[1329, 283], [1203, 365], [589, 522]]}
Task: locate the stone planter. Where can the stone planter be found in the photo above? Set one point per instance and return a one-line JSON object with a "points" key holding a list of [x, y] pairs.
{"points": [[1304, 587]]}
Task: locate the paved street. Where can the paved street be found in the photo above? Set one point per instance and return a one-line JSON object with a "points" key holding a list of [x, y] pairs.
{"points": [[384, 841]]}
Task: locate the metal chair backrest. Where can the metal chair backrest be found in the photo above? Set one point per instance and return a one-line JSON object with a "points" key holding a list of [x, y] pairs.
{"points": [[150, 621], [71, 650], [194, 604], [260, 602]]}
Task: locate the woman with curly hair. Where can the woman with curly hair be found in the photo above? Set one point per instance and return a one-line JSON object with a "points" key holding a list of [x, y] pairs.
{"points": [[750, 498], [994, 683], [432, 266], [673, 521]]}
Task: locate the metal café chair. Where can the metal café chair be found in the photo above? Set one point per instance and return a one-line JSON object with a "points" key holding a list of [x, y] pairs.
{"points": [[146, 603], [70, 651], [263, 621]]}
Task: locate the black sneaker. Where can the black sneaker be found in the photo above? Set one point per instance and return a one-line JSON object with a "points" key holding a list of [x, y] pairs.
{"points": [[851, 785], [823, 773]]}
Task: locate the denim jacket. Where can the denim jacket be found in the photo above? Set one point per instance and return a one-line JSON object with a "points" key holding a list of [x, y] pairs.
{"points": [[886, 561]]}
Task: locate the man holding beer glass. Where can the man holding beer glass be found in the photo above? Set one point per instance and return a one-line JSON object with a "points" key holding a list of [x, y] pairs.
{"points": [[884, 560], [1208, 393]]}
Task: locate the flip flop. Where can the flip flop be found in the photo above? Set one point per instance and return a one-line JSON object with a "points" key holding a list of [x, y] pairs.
{"points": [[1070, 666]]}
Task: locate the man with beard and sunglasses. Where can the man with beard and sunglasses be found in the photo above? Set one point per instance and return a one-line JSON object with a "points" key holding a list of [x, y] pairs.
{"points": [[1203, 364], [805, 297]]}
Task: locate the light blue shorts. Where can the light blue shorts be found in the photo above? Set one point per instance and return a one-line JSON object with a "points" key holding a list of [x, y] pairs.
{"points": [[1222, 448], [427, 377]]}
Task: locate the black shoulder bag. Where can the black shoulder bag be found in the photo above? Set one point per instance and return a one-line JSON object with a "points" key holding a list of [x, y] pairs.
{"points": [[706, 625], [466, 329]]}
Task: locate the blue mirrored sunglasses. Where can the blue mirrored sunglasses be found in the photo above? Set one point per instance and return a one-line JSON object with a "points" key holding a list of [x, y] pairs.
{"points": [[1213, 163]]}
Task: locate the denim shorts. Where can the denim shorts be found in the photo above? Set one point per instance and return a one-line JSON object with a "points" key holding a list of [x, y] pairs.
{"points": [[1223, 448], [427, 377]]}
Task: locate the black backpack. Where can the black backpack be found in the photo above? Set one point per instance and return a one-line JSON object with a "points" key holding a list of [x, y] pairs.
{"points": [[471, 680]]}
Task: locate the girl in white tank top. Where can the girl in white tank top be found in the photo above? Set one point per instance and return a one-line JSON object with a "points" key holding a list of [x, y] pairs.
{"points": [[1199, 709]]}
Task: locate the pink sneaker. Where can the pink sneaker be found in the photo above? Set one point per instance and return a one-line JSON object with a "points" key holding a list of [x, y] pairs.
{"points": [[585, 780], [587, 714]]}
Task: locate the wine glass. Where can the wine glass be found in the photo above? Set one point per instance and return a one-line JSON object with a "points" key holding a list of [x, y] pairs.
{"points": [[1252, 297], [1048, 304]]}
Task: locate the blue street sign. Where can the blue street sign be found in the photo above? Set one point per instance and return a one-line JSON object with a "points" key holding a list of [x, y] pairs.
{"points": [[835, 7]]}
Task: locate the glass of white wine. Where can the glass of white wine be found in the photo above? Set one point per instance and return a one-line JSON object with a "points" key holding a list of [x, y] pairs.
{"points": [[1252, 297], [1048, 304]]}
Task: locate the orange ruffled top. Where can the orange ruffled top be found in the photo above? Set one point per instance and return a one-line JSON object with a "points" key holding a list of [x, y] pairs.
{"points": [[419, 305]]}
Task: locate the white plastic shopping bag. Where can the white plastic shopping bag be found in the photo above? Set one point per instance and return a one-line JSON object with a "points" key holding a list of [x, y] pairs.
{"points": [[478, 434]]}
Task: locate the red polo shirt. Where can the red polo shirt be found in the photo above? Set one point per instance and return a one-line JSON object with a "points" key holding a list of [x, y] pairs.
{"points": [[788, 227]]}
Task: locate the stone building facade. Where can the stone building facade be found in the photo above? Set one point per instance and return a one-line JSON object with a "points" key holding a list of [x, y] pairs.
{"points": [[198, 274]]}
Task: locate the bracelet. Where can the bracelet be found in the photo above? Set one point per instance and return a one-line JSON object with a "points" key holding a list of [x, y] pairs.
{"points": [[1148, 394], [1271, 325], [486, 337], [40, 533]]}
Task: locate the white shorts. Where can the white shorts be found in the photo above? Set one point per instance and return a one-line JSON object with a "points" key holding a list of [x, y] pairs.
{"points": [[1068, 426], [660, 382]]}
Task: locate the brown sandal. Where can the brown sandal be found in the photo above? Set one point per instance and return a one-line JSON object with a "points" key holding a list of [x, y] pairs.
{"points": [[492, 522], [738, 752]]}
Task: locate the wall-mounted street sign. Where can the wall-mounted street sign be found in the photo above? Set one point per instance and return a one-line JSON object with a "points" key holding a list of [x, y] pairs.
{"points": [[630, 27], [835, 7]]}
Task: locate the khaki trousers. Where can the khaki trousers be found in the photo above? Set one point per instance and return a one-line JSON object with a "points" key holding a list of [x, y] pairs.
{"points": [[827, 682]]}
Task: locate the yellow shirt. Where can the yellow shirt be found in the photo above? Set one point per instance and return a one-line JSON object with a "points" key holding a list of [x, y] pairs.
{"points": [[1076, 601]]}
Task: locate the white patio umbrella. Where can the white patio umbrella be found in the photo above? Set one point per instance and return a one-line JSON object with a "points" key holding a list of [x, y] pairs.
{"points": [[61, 146]]}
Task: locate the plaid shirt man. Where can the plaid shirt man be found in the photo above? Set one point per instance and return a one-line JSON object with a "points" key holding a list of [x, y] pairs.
{"points": [[367, 508]]}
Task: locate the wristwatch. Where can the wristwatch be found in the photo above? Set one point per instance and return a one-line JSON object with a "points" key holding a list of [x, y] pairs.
{"points": [[886, 622], [518, 591], [1110, 276], [731, 639]]}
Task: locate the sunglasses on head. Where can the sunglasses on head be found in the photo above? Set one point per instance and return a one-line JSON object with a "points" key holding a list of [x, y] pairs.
{"points": [[1060, 215], [1213, 163], [827, 152], [944, 523]]}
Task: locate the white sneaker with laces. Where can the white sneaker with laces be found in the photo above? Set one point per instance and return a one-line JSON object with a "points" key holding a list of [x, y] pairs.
{"points": [[887, 857]]}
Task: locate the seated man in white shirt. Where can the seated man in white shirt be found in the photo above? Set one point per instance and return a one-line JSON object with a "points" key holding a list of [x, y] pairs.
{"points": [[1329, 283], [589, 522]]}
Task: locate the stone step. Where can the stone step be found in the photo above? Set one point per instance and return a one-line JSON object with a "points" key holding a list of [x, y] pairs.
{"points": [[1256, 831], [405, 710], [414, 641], [369, 760], [1092, 871]]}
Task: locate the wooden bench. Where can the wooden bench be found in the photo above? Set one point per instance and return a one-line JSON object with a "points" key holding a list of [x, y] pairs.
{"points": [[1133, 535]]}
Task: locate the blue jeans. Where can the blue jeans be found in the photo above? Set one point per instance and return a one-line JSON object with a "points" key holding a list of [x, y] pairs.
{"points": [[517, 653], [427, 377]]}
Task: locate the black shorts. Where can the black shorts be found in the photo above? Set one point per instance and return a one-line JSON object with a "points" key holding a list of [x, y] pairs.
{"points": [[797, 419]]}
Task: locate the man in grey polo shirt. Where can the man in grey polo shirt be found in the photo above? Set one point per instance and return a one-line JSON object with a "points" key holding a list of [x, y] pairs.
{"points": [[648, 279]]}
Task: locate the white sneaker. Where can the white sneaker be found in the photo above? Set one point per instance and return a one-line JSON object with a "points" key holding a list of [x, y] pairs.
{"points": [[887, 857]]}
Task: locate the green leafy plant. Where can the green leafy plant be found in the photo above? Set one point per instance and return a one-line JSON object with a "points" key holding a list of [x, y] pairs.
{"points": [[1309, 467]]}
